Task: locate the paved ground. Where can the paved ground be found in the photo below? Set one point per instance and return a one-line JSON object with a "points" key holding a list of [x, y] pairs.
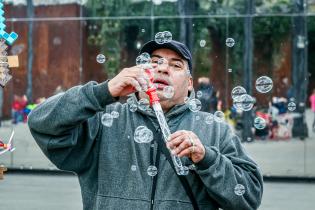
{"points": [[35, 192], [291, 157]]}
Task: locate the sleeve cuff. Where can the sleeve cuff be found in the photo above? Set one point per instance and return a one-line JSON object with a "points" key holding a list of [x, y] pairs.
{"points": [[103, 95], [208, 160]]}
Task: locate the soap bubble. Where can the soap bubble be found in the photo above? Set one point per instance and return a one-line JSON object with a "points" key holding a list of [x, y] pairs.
{"points": [[143, 59], [143, 30], [197, 117], [152, 170], [143, 135], [219, 116], [209, 119], [115, 114], [239, 190], [194, 105], [192, 167], [237, 103], [264, 84], [167, 36], [130, 100], [143, 104], [238, 91], [291, 106], [259, 123], [107, 119], [183, 171], [159, 38], [163, 37], [229, 42], [133, 167], [133, 107], [230, 70], [168, 91], [199, 94], [202, 43], [247, 102], [162, 61], [100, 58]]}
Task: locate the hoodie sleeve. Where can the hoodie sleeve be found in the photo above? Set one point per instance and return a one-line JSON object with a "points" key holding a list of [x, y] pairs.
{"points": [[66, 126], [231, 177]]}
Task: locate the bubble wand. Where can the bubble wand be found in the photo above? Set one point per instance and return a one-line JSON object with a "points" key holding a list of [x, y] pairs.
{"points": [[8, 146], [154, 102]]}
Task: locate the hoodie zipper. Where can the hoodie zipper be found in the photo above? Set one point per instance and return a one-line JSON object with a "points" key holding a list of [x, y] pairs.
{"points": [[157, 162]]}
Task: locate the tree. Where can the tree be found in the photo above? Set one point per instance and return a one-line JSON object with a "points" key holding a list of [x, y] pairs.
{"points": [[30, 14]]}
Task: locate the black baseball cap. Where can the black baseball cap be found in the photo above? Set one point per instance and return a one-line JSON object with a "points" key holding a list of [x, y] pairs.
{"points": [[176, 46]]}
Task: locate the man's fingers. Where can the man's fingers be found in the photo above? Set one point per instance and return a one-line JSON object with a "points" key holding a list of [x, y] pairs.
{"points": [[182, 146], [187, 152], [134, 83], [180, 141], [174, 142], [177, 133], [143, 83]]}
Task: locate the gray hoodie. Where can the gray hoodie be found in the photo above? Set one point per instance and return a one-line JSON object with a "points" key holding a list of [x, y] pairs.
{"points": [[112, 167]]}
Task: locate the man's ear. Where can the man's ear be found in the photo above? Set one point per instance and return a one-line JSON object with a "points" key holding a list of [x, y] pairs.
{"points": [[190, 84]]}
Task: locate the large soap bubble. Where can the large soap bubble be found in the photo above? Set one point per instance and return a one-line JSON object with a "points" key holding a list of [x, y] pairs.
{"points": [[107, 119], [237, 92], [194, 105], [239, 190], [143, 59], [143, 135], [100, 58], [259, 123], [264, 84], [152, 170], [229, 42]]}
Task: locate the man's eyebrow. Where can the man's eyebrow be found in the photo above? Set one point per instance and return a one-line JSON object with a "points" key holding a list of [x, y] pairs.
{"points": [[158, 56], [173, 59], [178, 59]]}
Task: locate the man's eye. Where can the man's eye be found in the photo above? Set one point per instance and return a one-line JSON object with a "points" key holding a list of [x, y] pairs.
{"points": [[177, 66], [154, 61]]}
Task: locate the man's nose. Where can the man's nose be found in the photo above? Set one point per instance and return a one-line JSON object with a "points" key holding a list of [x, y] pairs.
{"points": [[163, 68]]}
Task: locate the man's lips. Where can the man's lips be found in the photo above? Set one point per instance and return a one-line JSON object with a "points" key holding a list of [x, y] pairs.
{"points": [[160, 83]]}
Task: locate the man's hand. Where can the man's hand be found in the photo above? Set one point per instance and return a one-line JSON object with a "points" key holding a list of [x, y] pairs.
{"points": [[129, 80], [186, 143]]}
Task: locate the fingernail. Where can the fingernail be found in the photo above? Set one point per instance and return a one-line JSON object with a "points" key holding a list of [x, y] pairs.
{"points": [[173, 152]]}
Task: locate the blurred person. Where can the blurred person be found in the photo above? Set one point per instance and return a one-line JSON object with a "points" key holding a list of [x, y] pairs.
{"points": [[206, 92], [312, 102], [18, 105], [58, 90], [32, 106], [112, 167]]}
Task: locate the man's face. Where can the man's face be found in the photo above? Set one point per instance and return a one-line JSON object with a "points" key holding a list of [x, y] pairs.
{"points": [[172, 71]]}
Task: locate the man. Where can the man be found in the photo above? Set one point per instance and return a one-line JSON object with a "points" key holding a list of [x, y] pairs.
{"points": [[112, 167]]}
